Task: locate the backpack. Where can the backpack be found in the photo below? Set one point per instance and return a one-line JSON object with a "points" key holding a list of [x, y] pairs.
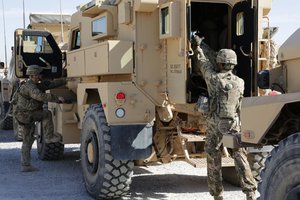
{"points": [[230, 92], [16, 93]]}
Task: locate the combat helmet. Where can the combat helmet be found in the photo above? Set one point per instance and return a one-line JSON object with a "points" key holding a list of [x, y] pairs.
{"points": [[33, 70], [228, 57]]}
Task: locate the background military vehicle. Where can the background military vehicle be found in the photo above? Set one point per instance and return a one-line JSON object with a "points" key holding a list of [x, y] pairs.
{"points": [[132, 87], [5, 93], [58, 25]]}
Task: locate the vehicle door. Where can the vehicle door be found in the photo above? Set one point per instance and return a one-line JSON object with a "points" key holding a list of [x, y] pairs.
{"points": [[245, 43], [33, 47]]}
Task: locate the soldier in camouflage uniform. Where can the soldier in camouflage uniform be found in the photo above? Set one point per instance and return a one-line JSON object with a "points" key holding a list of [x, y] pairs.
{"points": [[28, 102], [218, 123]]}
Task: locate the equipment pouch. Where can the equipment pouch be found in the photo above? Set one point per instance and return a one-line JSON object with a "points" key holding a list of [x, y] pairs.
{"points": [[202, 104], [226, 125], [23, 117]]}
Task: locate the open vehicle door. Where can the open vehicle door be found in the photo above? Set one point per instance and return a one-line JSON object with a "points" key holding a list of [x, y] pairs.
{"points": [[174, 42], [245, 43], [37, 47]]}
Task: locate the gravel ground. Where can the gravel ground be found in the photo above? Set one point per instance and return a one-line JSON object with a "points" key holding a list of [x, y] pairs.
{"points": [[63, 179]]}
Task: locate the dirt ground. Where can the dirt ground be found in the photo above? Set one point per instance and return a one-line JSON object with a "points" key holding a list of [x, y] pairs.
{"points": [[62, 179]]}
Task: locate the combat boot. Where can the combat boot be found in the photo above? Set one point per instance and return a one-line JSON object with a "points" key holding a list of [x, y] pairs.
{"points": [[251, 196], [54, 139], [28, 168], [218, 198]]}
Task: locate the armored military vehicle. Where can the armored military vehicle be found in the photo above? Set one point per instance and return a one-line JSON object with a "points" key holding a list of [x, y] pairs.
{"points": [[132, 86]]}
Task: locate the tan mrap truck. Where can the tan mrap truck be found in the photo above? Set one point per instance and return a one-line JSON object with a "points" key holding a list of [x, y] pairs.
{"points": [[132, 87]]}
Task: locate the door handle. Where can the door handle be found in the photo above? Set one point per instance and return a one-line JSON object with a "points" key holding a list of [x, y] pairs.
{"points": [[245, 54]]}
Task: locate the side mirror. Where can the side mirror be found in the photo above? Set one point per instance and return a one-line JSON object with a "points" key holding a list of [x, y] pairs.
{"points": [[263, 79], [64, 56]]}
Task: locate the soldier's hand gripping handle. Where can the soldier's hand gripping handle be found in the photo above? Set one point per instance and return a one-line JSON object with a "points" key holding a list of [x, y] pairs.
{"points": [[198, 40], [200, 55], [61, 99]]}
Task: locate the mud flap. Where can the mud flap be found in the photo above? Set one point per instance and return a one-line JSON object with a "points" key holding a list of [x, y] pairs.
{"points": [[131, 142]]}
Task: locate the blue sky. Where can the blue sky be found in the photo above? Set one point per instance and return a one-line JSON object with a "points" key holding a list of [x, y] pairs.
{"points": [[284, 13]]}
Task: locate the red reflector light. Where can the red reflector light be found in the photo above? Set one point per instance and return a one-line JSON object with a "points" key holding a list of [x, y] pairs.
{"points": [[120, 96]]}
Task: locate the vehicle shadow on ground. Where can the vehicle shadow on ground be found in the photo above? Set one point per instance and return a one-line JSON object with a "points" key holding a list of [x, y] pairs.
{"points": [[145, 183], [65, 177]]}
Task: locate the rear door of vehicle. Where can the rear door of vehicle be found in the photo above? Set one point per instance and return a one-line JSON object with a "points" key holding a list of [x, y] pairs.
{"points": [[245, 43], [173, 36]]}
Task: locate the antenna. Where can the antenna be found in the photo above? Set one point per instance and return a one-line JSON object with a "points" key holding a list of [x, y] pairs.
{"points": [[62, 25], [24, 14], [4, 30]]}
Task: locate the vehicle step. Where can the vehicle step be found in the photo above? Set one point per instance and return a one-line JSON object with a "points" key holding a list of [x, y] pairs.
{"points": [[192, 137], [201, 162]]}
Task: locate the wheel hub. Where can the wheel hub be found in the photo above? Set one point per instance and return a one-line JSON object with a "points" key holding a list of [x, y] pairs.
{"points": [[91, 155], [90, 152], [294, 193]]}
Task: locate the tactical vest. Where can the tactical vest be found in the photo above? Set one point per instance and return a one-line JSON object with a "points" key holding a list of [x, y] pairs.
{"points": [[24, 102], [229, 94]]}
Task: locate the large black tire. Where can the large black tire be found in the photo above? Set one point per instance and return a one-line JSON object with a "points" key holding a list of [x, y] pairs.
{"points": [[6, 120], [7, 124], [104, 176], [281, 176], [47, 151], [257, 163]]}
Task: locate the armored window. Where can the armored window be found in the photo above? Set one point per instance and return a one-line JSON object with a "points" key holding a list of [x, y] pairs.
{"points": [[103, 25], [165, 21], [169, 20], [36, 44], [76, 39], [240, 24], [99, 26]]}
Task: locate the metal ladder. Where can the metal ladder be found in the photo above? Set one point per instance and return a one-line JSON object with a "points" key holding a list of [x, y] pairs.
{"points": [[197, 160], [266, 42], [194, 159]]}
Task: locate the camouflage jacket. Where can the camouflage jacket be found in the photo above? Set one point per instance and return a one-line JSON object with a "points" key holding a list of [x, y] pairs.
{"points": [[213, 79], [31, 96]]}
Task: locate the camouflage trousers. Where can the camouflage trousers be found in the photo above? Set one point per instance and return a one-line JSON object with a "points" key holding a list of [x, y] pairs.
{"points": [[214, 164], [45, 117]]}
